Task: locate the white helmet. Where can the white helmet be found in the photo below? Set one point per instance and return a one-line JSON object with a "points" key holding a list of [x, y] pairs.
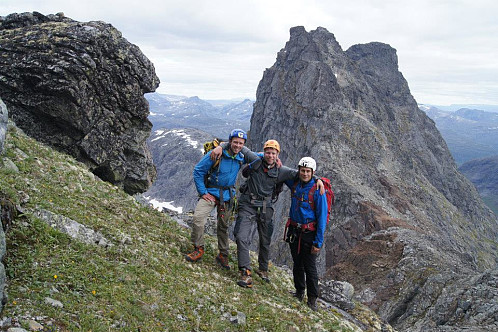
{"points": [[307, 162]]}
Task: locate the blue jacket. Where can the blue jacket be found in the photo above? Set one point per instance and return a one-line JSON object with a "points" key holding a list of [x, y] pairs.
{"points": [[223, 176], [301, 211]]}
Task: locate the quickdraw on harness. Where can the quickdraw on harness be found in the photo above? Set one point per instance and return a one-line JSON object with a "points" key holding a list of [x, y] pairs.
{"points": [[303, 228], [220, 203]]}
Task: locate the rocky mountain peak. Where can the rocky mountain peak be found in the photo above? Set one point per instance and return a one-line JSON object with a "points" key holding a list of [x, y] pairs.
{"points": [[405, 220], [79, 87], [304, 45]]}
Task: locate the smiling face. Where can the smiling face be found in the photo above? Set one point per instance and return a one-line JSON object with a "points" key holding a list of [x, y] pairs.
{"points": [[270, 156], [236, 144], [305, 174]]}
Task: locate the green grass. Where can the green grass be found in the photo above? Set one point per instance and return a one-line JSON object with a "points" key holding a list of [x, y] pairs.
{"points": [[140, 282]]}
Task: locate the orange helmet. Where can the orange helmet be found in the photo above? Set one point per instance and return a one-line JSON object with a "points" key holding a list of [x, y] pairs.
{"points": [[272, 144]]}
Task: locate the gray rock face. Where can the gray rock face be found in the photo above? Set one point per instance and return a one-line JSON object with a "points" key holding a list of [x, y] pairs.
{"points": [[3, 124], [176, 152], [79, 87], [406, 222], [8, 213], [72, 228], [339, 293]]}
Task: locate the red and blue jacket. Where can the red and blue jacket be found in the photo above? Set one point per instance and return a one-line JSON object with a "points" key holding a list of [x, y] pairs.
{"points": [[301, 211]]}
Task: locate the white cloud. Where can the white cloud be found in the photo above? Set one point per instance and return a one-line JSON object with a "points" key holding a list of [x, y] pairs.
{"points": [[447, 49]]}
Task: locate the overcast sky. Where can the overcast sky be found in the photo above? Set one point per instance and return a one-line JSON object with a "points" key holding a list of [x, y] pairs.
{"points": [[216, 49]]}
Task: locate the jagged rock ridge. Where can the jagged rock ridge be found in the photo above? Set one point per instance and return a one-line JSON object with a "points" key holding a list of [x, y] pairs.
{"points": [[79, 87], [407, 225]]}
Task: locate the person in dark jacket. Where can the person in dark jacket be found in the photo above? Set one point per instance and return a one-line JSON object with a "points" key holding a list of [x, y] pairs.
{"points": [[306, 229], [216, 188], [256, 206]]}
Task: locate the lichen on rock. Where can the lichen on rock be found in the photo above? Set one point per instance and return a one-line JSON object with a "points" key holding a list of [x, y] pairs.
{"points": [[79, 87]]}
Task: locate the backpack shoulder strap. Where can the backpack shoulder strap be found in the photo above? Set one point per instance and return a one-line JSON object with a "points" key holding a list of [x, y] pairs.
{"points": [[216, 164], [294, 186], [311, 195]]}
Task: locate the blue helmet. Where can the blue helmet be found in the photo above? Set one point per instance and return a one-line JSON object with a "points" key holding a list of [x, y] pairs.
{"points": [[238, 133]]}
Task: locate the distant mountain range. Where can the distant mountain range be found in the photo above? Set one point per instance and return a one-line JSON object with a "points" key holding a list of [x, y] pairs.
{"points": [[181, 125], [484, 175], [456, 107], [469, 133], [472, 138], [216, 117]]}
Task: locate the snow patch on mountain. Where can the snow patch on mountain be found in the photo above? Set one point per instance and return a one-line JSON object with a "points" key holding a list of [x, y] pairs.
{"points": [[159, 205]]}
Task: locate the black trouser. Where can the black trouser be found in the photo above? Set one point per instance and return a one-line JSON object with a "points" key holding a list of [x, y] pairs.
{"points": [[304, 270]]}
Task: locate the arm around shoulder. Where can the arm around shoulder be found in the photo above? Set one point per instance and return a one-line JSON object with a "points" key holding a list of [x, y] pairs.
{"points": [[249, 155]]}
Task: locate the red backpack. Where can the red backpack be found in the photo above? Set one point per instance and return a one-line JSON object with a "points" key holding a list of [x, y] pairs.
{"points": [[311, 194]]}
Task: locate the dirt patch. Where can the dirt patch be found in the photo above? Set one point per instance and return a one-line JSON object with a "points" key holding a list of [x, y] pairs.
{"points": [[369, 265], [374, 216]]}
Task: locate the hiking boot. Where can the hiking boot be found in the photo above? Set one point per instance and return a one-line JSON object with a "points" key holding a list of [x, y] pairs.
{"points": [[312, 304], [222, 260], [299, 296], [245, 278], [195, 255], [263, 275]]}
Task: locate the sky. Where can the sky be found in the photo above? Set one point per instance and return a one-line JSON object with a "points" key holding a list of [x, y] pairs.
{"points": [[218, 49]]}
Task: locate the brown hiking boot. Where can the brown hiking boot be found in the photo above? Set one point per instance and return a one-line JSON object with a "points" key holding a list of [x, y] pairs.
{"points": [[222, 260], [195, 255], [263, 275], [245, 278]]}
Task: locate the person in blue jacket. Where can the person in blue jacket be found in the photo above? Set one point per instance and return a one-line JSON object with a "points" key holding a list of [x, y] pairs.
{"points": [[215, 183], [305, 230]]}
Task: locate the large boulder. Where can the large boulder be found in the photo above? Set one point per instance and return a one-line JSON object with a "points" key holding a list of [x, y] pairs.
{"points": [[79, 87], [4, 117], [8, 212], [407, 226]]}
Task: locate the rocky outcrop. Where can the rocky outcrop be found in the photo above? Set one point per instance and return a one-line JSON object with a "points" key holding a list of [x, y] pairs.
{"points": [[7, 209], [4, 117], [406, 224], [7, 214], [79, 86]]}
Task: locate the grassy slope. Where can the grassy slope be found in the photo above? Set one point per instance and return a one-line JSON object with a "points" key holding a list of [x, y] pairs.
{"points": [[142, 281]]}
